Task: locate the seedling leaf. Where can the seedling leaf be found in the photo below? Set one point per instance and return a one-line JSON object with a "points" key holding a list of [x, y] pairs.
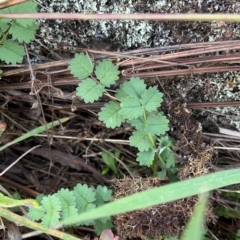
{"points": [[107, 72], [109, 161], [141, 140], [81, 66], [102, 195], [131, 108], [146, 158], [89, 90], [151, 99], [11, 52], [109, 114], [135, 87]]}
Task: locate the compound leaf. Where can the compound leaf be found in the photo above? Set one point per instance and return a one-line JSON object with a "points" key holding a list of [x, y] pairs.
{"points": [[52, 207], [157, 124], [151, 99], [81, 66], [107, 72], [85, 197], [146, 158], [89, 90], [141, 140], [22, 33], [103, 194], [109, 114], [11, 52], [135, 87], [131, 108]]}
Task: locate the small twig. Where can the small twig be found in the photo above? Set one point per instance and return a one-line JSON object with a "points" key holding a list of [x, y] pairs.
{"points": [[18, 159]]}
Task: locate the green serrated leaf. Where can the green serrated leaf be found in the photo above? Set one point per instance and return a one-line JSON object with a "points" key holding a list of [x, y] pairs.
{"points": [[146, 158], [89, 90], [138, 123], [135, 87], [51, 203], [151, 99], [68, 203], [51, 220], [23, 34], [52, 207], [131, 108], [165, 142], [141, 140], [120, 93], [11, 52], [109, 114], [85, 197], [5, 24], [81, 66], [107, 72], [99, 226], [103, 195], [157, 124], [66, 197], [36, 214]]}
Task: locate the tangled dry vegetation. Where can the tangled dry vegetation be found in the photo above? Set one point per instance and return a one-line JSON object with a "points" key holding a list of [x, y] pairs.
{"points": [[200, 82]]}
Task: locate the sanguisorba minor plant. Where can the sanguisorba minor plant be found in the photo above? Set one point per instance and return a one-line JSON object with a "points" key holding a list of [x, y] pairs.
{"points": [[15, 32], [134, 103]]}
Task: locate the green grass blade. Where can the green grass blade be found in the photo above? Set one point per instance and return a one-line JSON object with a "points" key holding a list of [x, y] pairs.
{"points": [[161, 195], [195, 227], [34, 132]]}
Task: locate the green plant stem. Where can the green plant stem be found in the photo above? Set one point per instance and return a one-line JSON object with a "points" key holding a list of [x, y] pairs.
{"points": [[162, 163], [152, 141], [33, 225], [34, 132], [116, 16]]}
